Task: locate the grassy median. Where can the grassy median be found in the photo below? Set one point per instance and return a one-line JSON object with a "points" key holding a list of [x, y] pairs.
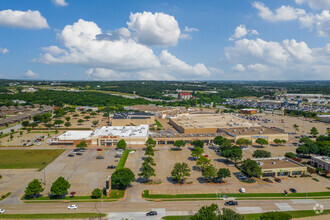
{"points": [[23, 159]]}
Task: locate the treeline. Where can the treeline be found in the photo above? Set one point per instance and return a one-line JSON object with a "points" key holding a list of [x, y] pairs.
{"points": [[296, 113]]}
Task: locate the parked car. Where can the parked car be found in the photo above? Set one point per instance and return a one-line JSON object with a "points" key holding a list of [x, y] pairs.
{"points": [[72, 207], [230, 203], [2, 211], [82, 150], [79, 154], [99, 157], [278, 180], [293, 190], [111, 167], [118, 156], [71, 155], [242, 190], [99, 149], [151, 213], [132, 152], [76, 150]]}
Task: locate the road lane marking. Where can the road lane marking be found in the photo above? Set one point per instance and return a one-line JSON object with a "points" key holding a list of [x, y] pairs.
{"points": [[249, 209], [298, 201], [284, 206]]}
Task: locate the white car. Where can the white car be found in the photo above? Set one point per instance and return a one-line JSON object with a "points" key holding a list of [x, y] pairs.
{"points": [[2, 211], [72, 207], [132, 152], [242, 190]]}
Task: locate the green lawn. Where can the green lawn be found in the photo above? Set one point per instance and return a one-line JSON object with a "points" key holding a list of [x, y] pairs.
{"points": [[122, 161], [243, 195], [51, 216], [159, 125], [22, 159]]}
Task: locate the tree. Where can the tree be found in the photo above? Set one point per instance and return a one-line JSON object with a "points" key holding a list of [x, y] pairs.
{"points": [[93, 114], [151, 143], [37, 118], [121, 178], [203, 161], [149, 151], [302, 150], [80, 121], [209, 172], [58, 122], [95, 122], [67, 124], [261, 154], [147, 171], [25, 123], [197, 143], [236, 154], [179, 143], [261, 141], [121, 144], [180, 172], [251, 168], [87, 117], [149, 160], [33, 189], [290, 155], [223, 173], [81, 145], [60, 187], [106, 115], [277, 141], [218, 140], [296, 127], [96, 193], [225, 145], [243, 142], [76, 115], [67, 118], [228, 214], [275, 216], [197, 152], [207, 213], [33, 124], [314, 131]]}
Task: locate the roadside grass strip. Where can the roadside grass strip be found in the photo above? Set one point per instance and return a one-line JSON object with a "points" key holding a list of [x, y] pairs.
{"points": [[51, 216], [123, 159], [146, 195]]}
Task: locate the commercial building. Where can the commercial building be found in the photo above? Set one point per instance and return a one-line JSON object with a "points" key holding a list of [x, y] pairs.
{"points": [[85, 108], [185, 95], [249, 111], [207, 123], [253, 133], [324, 118], [132, 119], [280, 166], [322, 162], [105, 136]]}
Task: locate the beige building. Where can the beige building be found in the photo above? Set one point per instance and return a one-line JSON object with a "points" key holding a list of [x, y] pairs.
{"points": [[280, 166], [322, 162], [132, 119], [253, 133]]}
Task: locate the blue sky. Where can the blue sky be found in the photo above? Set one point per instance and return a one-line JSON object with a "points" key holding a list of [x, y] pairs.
{"points": [[165, 40]]}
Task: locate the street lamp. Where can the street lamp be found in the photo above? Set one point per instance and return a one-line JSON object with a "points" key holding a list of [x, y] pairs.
{"points": [[44, 163]]}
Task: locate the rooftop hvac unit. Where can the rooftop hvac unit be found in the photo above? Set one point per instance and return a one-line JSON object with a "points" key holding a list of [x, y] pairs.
{"points": [[234, 130], [262, 129], [254, 129], [260, 132], [273, 162]]}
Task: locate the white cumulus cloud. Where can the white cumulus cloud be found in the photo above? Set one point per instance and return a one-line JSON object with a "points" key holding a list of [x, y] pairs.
{"points": [[187, 29], [23, 19], [241, 31], [238, 67], [60, 2], [4, 50], [315, 4], [116, 55], [31, 74], [154, 29]]}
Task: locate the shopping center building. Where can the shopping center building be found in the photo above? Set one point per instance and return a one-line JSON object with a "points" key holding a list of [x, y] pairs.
{"points": [[105, 136]]}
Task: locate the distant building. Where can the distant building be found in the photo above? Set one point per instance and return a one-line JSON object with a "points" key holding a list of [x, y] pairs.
{"points": [[322, 162], [249, 111], [18, 101], [324, 118], [85, 108], [30, 90], [132, 119], [185, 95]]}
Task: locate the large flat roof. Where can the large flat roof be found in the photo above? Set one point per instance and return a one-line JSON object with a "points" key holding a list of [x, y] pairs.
{"points": [[250, 131], [277, 164], [211, 121], [131, 115], [123, 131], [75, 135]]}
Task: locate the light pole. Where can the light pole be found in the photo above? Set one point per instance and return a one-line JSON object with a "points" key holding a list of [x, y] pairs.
{"points": [[44, 163]]}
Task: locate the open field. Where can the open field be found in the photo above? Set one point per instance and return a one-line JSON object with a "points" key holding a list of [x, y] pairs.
{"points": [[22, 159]]}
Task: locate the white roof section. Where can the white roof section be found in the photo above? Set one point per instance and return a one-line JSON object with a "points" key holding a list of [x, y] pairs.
{"points": [[122, 131], [75, 135]]}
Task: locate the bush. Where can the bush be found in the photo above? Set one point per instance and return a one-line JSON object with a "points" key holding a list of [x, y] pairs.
{"points": [[96, 193], [290, 155]]}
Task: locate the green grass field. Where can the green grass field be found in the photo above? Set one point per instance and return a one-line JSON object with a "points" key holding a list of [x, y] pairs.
{"points": [[159, 125], [122, 161], [23, 159], [51, 216], [238, 195]]}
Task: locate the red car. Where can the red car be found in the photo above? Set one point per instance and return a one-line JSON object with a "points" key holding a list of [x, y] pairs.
{"points": [[206, 155], [99, 149]]}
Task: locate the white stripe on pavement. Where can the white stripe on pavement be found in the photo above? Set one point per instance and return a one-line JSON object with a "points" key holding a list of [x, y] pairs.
{"points": [[299, 201], [249, 209], [284, 206]]}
